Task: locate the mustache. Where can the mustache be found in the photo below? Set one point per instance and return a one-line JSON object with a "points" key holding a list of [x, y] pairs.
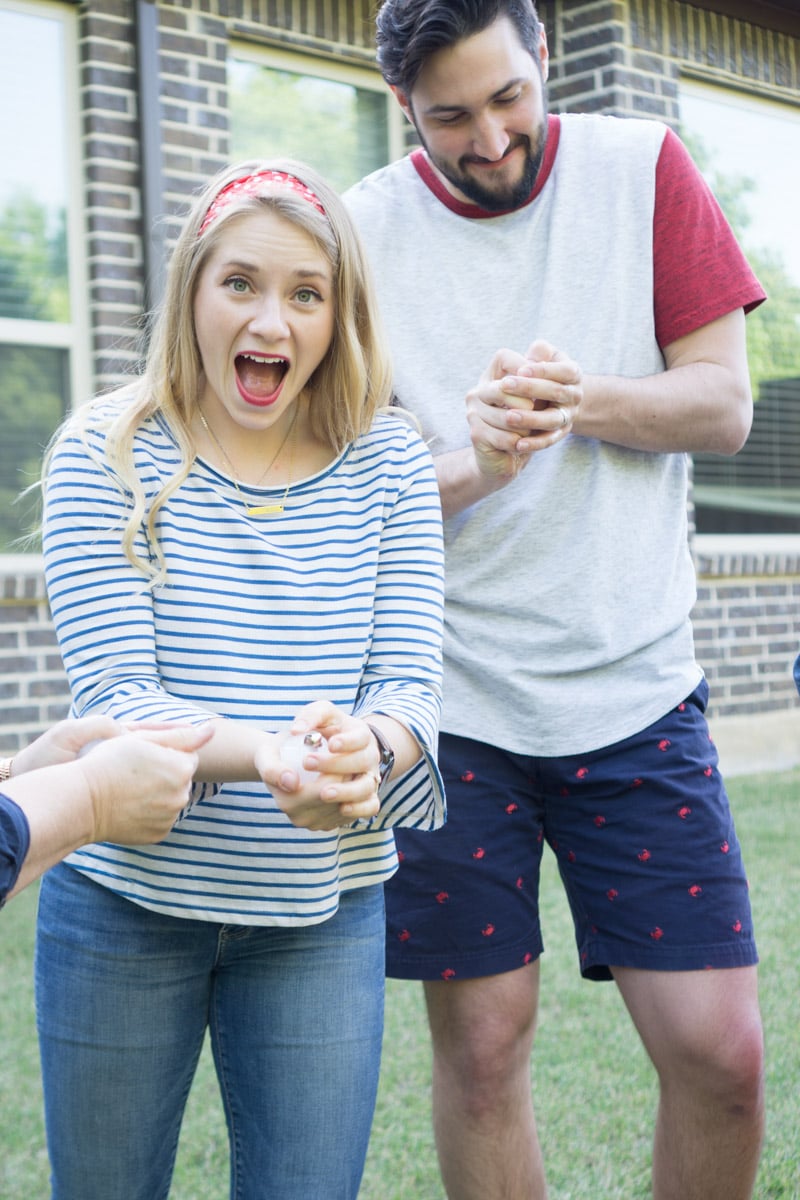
{"points": [[520, 141]]}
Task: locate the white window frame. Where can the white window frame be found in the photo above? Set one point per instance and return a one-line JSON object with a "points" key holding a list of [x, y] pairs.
{"points": [[74, 336]]}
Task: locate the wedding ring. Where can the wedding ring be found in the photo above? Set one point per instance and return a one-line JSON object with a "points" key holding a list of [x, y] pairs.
{"points": [[564, 418]]}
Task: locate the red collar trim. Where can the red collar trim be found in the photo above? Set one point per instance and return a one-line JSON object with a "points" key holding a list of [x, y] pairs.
{"points": [[421, 163]]}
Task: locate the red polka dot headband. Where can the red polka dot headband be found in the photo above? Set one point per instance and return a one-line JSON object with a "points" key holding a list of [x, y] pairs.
{"points": [[251, 185]]}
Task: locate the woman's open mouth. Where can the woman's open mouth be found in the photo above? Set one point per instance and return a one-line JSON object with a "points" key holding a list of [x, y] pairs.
{"points": [[259, 377]]}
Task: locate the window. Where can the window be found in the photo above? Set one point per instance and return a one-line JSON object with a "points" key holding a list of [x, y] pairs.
{"points": [[748, 149], [43, 360], [340, 119]]}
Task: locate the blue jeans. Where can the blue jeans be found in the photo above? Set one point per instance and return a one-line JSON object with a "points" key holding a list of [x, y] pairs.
{"points": [[124, 997]]}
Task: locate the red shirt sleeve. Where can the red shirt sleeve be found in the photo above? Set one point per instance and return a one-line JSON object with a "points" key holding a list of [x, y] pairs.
{"points": [[699, 270]]}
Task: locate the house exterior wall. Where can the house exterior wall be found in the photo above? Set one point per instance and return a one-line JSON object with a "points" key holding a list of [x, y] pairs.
{"points": [[618, 56], [33, 689], [626, 56], [747, 622]]}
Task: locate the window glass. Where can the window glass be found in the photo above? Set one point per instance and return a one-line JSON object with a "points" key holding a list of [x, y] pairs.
{"points": [[35, 384], [337, 119], [749, 150], [33, 176], [38, 337]]}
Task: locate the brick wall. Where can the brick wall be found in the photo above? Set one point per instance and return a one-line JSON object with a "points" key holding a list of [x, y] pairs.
{"points": [[626, 56], [33, 687], [110, 133], [747, 621]]}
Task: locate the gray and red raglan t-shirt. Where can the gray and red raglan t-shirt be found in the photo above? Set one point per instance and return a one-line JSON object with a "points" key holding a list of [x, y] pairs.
{"points": [[568, 591]]}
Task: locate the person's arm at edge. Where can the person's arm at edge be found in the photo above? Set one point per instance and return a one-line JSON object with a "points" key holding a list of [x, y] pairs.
{"points": [[129, 789], [57, 805]]}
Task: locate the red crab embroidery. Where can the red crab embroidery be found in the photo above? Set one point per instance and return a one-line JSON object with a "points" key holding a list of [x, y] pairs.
{"points": [[599, 821], [612, 893], [479, 853], [448, 973], [442, 897], [684, 812], [581, 772], [725, 847], [695, 890], [643, 856], [403, 935], [656, 934], [468, 777], [664, 744], [487, 930]]}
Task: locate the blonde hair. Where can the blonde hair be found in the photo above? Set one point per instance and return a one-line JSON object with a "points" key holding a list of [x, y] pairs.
{"points": [[353, 380]]}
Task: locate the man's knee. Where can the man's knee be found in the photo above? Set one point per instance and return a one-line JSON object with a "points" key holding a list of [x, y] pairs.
{"points": [[482, 1029], [737, 1068], [724, 1065]]}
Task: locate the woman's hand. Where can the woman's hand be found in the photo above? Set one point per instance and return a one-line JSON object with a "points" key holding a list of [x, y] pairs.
{"points": [[63, 743], [139, 782], [348, 761]]}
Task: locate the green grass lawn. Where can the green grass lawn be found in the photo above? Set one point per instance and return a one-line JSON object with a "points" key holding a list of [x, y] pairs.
{"points": [[594, 1089]]}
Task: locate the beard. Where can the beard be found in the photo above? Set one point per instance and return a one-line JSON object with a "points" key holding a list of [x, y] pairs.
{"points": [[503, 196]]}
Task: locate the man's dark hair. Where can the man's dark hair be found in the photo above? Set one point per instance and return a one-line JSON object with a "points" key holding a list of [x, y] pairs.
{"points": [[409, 31]]}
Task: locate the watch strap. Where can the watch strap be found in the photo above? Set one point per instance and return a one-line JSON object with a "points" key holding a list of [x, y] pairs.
{"points": [[387, 757]]}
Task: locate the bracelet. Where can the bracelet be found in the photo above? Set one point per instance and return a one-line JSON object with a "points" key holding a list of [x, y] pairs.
{"points": [[5, 768]]}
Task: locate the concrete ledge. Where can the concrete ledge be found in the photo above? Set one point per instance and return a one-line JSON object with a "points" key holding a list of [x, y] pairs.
{"points": [[751, 745], [741, 555]]}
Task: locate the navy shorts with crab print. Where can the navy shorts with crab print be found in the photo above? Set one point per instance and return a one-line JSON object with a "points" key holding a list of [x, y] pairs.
{"points": [[643, 837]]}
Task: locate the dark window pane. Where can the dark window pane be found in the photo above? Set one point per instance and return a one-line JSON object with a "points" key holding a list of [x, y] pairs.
{"points": [[744, 145], [33, 400]]}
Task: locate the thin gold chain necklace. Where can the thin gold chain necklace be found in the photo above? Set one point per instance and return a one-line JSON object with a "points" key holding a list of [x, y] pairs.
{"points": [[258, 510]]}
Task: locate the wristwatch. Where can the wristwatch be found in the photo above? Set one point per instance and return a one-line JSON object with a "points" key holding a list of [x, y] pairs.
{"points": [[386, 761]]}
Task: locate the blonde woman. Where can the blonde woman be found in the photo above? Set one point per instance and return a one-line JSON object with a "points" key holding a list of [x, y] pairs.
{"points": [[243, 535]]}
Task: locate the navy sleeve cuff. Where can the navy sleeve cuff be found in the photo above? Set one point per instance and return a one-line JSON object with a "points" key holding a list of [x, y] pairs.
{"points": [[15, 839]]}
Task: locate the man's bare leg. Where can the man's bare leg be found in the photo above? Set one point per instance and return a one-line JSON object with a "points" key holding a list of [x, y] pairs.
{"points": [[702, 1029], [483, 1118]]}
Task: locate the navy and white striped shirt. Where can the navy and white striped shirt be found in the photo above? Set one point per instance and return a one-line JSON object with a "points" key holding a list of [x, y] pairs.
{"points": [[338, 598]]}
